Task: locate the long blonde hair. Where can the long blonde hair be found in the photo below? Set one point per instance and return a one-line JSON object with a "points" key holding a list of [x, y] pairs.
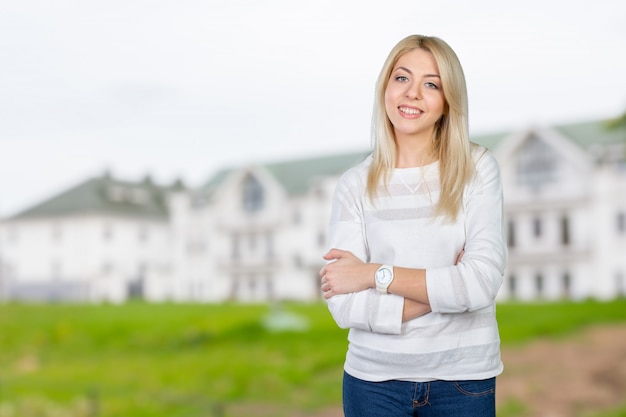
{"points": [[451, 139]]}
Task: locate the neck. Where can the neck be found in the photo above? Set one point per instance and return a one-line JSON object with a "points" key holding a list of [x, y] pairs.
{"points": [[414, 152]]}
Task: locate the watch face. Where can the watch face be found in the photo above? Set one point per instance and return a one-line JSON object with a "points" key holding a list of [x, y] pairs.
{"points": [[383, 276]]}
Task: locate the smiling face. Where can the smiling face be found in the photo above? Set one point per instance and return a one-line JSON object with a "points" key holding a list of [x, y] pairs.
{"points": [[414, 99]]}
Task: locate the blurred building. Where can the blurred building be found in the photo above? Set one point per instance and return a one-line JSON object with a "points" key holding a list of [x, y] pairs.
{"points": [[565, 207], [95, 241], [257, 233]]}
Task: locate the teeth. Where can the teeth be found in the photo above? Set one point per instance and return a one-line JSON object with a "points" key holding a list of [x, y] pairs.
{"points": [[409, 111]]}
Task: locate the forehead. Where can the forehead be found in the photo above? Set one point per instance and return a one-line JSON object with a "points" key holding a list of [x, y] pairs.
{"points": [[417, 60]]}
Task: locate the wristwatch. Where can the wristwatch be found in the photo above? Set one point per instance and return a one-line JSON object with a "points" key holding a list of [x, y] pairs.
{"points": [[383, 277]]}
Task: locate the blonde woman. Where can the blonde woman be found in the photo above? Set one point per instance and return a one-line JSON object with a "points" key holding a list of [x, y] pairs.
{"points": [[417, 249]]}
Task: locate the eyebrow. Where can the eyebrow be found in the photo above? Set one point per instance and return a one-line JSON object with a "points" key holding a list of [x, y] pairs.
{"points": [[409, 71]]}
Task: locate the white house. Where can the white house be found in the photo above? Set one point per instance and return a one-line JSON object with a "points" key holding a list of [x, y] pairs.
{"points": [[565, 205], [257, 233], [97, 241]]}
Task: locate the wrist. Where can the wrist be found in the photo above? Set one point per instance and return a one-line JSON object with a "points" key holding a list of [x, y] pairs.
{"points": [[383, 278], [371, 275]]}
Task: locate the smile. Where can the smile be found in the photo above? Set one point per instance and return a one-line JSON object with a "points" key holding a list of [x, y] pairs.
{"points": [[410, 110]]}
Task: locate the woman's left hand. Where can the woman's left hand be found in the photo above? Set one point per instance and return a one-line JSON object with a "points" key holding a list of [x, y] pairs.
{"points": [[345, 274]]}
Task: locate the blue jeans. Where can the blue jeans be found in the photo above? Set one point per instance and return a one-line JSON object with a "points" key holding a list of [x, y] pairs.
{"points": [[423, 399]]}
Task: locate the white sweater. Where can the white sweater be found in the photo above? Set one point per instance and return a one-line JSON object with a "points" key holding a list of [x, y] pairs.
{"points": [[459, 339]]}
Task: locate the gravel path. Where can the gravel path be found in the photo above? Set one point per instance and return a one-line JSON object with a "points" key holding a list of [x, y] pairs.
{"points": [[566, 378]]}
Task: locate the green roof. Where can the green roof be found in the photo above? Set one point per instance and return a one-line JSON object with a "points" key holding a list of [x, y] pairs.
{"points": [[217, 179], [296, 176], [146, 199], [593, 133], [584, 134], [490, 141], [104, 195]]}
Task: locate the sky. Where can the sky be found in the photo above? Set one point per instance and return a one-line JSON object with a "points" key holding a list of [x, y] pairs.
{"points": [[181, 89]]}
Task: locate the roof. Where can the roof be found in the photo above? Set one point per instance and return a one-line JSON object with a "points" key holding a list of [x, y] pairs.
{"points": [[105, 195], [594, 133], [296, 175], [490, 141], [584, 134], [145, 199]]}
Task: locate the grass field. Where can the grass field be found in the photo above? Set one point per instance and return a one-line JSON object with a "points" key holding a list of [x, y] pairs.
{"points": [[192, 360]]}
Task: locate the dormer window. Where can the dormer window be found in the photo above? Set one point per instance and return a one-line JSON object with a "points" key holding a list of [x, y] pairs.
{"points": [[536, 163], [116, 193], [133, 195], [138, 196], [253, 194]]}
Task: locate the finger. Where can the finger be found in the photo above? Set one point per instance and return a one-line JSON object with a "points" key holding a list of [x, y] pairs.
{"points": [[334, 254]]}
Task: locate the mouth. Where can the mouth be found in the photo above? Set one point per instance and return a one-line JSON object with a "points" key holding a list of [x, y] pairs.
{"points": [[410, 111]]}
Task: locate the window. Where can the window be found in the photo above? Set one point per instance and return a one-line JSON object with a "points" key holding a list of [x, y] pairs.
{"points": [[252, 241], [539, 284], [236, 252], [115, 193], [566, 285], [269, 240], [512, 286], [565, 238], [621, 223], [139, 196], [12, 234], [321, 238], [120, 194], [297, 216], [57, 232], [253, 194], [9, 271], [55, 270], [620, 283], [537, 226], [536, 164], [142, 233], [319, 193], [234, 289], [269, 286], [107, 232], [142, 267], [511, 234], [252, 283], [196, 247]]}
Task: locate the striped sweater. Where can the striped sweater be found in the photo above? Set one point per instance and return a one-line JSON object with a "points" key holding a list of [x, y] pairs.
{"points": [[459, 339]]}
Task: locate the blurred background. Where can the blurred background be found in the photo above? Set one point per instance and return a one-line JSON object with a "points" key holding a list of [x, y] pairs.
{"points": [[177, 161], [183, 89]]}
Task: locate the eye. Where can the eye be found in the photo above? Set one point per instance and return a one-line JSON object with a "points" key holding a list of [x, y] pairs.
{"points": [[401, 78], [431, 85]]}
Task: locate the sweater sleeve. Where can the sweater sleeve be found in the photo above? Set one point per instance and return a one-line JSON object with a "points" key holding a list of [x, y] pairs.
{"points": [[474, 282], [366, 310]]}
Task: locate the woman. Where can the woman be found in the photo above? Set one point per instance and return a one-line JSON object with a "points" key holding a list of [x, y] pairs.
{"points": [[418, 251]]}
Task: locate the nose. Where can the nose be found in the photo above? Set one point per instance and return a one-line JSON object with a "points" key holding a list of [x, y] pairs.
{"points": [[413, 92]]}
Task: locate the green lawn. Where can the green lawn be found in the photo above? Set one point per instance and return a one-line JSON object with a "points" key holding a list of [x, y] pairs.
{"points": [[175, 360]]}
